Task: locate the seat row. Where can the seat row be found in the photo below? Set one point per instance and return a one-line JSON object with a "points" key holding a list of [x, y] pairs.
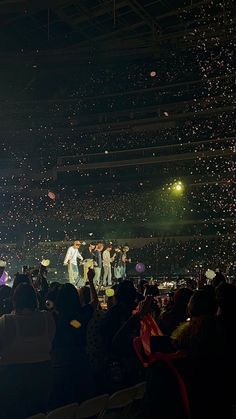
{"points": [[99, 407]]}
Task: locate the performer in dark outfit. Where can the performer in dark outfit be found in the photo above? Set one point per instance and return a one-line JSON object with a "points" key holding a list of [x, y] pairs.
{"points": [[118, 265], [88, 256], [98, 262], [40, 283], [125, 259]]}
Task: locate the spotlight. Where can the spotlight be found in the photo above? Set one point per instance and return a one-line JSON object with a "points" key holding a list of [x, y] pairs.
{"points": [[178, 187]]}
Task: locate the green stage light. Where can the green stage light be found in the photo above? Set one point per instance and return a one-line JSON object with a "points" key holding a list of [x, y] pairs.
{"points": [[178, 188]]}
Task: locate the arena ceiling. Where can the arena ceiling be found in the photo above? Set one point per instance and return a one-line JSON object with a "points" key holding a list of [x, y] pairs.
{"points": [[55, 28]]}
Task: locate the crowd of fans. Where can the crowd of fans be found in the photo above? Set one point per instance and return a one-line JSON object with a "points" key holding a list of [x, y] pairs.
{"points": [[164, 257], [74, 350], [58, 344], [187, 256], [203, 202], [165, 95], [195, 129], [193, 63], [203, 209], [211, 65]]}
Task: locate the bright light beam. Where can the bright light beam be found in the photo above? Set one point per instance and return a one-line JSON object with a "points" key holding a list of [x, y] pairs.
{"points": [[178, 188]]}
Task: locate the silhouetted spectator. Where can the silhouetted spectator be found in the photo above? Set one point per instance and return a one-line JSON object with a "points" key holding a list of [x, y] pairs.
{"points": [[125, 296], [25, 344], [219, 279], [5, 300], [171, 318], [71, 369]]}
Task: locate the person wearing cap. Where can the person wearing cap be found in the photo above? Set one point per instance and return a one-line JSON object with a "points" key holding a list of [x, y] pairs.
{"points": [[71, 260]]}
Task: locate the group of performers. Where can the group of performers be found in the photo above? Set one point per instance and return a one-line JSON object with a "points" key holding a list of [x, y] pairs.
{"points": [[104, 259]]}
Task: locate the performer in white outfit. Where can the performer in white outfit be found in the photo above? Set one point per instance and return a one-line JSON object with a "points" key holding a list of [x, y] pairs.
{"points": [[71, 261], [107, 265]]}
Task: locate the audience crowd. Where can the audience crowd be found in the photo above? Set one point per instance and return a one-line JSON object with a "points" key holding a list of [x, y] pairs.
{"points": [[166, 257], [198, 202], [192, 129], [59, 346], [187, 256]]}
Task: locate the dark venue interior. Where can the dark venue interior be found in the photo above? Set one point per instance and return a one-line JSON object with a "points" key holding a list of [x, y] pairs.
{"points": [[117, 209]]}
